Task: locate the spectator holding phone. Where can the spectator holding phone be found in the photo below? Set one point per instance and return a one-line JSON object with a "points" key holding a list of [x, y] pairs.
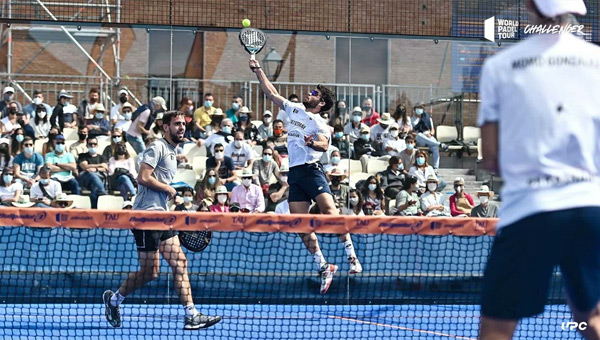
{"points": [[407, 200]]}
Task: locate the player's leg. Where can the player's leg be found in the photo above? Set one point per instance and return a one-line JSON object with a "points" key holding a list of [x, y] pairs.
{"points": [[496, 329], [310, 240], [170, 248]]}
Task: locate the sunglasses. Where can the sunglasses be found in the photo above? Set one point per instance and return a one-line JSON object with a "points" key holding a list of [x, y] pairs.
{"points": [[314, 93], [26, 145], [212, 176], [267, 154], [92, 144], [62, 204], [219, 150], [57, 143]]}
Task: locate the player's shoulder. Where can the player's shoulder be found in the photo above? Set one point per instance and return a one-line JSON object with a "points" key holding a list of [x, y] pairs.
{"points": [[293, 107]]}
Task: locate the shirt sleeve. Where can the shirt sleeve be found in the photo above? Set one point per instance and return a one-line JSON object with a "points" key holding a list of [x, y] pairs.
{"points": [[489, 106], [70, 158], [260, 207], [152, 155]]}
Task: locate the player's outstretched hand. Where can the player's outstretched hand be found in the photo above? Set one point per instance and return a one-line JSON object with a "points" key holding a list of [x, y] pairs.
{"points": [[253, 64], [307, 139]]}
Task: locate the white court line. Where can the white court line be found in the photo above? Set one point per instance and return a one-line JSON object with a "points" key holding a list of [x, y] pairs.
{"points": [[402, 328]]}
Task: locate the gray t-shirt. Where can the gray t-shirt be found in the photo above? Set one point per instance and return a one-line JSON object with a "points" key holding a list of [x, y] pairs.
{"points": [[161, 156]]}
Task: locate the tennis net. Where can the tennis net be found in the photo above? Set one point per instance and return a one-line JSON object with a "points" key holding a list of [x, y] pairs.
{"points": [[421, 280]]}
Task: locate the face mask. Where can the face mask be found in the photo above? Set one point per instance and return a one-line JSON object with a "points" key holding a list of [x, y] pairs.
{"points": [[335, 181], [284, 179], [278, 132], [356, 118], [60, 147], [400, 166], [8, 97], [246, 182], [339, 135], [484, 199], [238, 143], [127, 116], [227, 129], [117, 139], [212, 180], [8, 178], [123, 99], [37, 100], [208, 103], [28, 151], [188, 120], [372, 187], [365, 137], [243, 118], [366, 108], [353, 201], [410, 146], [235, 106], [93, 151], [44, 181], [82, 136], [67, 103], [268, 120], [20, 138], [458, 189], [42, 114], [99, 115], [419, 111], [431, 186], [335, 160], [266, 158], [394, 133], [420, 161], [219, 155], [222, 199], [188, 199]]}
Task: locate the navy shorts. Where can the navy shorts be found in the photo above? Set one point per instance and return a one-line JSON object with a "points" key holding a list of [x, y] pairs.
{"points": [[307, 181], [149, 240], [525, 253]]}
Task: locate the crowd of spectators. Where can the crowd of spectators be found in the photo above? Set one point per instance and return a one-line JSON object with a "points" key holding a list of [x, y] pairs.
{"points": [[237, 178]]}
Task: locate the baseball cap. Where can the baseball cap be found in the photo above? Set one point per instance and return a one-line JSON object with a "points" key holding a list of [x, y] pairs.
{"points": [[160, 101], [122, 91], [63, 93], [552, 8], [8, 89], [59, 137]]}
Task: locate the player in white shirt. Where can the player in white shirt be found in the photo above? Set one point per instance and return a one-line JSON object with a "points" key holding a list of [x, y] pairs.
{"points": [[541, 131], [307, 139]]}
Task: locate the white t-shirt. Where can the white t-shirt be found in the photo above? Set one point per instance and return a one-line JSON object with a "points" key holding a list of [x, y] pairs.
{"points": [[353, 133], [9, 192], [342, 165], [8, 126], [421, 175], [398, 144], [543, 93], [133, 129], [215, 139], [240, 156], [53, 189], [303, 124], [284, 117], [379, 134], [115, 112]]}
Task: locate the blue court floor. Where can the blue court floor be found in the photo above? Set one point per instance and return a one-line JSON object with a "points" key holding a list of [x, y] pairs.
{"points": [[365, 322]]}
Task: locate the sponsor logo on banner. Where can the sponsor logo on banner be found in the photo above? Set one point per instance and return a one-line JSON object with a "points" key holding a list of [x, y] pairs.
{"points": [[194, 220], [413, 226], [37, 217], [315, 223], [454, 225], [293, 223], [435, 225], [111, 217], [239, 220], [362, 223], [167, 220], [481, 226]]}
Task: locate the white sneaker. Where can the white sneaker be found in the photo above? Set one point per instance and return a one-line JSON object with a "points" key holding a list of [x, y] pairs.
{"points": [[355, 266], [326, 273]]}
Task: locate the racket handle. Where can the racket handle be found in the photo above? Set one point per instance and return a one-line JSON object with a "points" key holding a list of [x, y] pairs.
{"points": [[252, 56]]}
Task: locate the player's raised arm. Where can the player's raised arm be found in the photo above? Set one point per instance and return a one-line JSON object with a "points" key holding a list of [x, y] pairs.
{"points": [[265, 84]]}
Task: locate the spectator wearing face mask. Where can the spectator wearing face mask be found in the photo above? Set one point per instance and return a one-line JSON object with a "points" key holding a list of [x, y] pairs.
{"points": [[392, 178], [9, 96], [279, 137], [432, 200], [116, 116], [340, 141], [93, 171], [203, 115], [16, 142], [116, 136], [248, 195], [37, 100], [45, 190], [221, 204], [278, 191], [371, 116], [362, 147], [394, 145], [380, 132], [336, 162], [156, 131], [407, 156], [87, 105], [407, 200], [122, 171], [421, 169], [283, 116], [404, 123], [461, 203], [10, 191], [81, 145], [354, 205], [6, 160], [374, 200], [98, 125], [10, 123], [125, 114], [485, 208], [63, 166], [224, 136], [40, 123], [240, 152], [245, 125], [266, 129], [188, 201], [224, 166], [58, 118], [27, 164], [265, 168], [423, 125], [233, 112], [339, 190], [354, 126], [340, 116]]}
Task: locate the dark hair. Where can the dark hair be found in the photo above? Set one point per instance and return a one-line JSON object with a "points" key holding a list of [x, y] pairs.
{"points": [[358, 205], [409, 138], [94, 90], [393, 160], [408, 181], [169, 115], [338, 128], [184, 101], [327, 96], [36, 92], [424, 154], [45, 169], [121, 146], [277, 121], [365, 188], [15, 146], [91, 138], [218, 145], [293, 96], [37, 118], [236, 97], [205, 183], [208, 95], [27, 139], [401, 114], [81, 127], [4, 171], [188, 189]]}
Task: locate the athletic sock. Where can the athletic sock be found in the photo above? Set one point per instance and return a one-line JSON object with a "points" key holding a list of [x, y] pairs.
{"points": [[319, 259], [190, 310], [349, 249], [116, 299]]}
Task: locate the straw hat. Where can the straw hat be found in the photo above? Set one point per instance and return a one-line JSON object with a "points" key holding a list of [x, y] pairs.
{"points": [[221, 189], [385, 119], [365, 129], [99, 107], [433, 178], [459, 180], [245, 109], [60, 200], [127, 105], [23, 202], [485, 190], [218, 112], [247, 173]]}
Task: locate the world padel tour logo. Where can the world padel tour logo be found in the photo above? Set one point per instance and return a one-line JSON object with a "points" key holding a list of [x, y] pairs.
{"points": [[501, 29]]}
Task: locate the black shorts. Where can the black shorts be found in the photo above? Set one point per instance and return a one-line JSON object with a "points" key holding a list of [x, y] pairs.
{"points": [[307, 181], [149, 240], [525, 253]]}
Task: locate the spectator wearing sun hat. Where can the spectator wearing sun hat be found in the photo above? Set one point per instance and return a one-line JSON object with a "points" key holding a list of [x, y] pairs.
{"points": [[248, 195], [221, 203], [115, 111], [485, 208], [8, 95], [461, 203]]}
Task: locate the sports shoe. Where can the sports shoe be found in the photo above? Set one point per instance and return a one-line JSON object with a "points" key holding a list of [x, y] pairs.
{"points": [[444, 146], [355, 266], [326, 272], [200, 321], [113, 314]]}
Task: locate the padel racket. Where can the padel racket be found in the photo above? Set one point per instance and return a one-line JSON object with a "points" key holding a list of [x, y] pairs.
{"points": [[195, 241], [253, 41]]}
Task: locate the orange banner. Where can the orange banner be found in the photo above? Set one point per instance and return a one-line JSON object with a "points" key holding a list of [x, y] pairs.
{"points": [[130, 219]]}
